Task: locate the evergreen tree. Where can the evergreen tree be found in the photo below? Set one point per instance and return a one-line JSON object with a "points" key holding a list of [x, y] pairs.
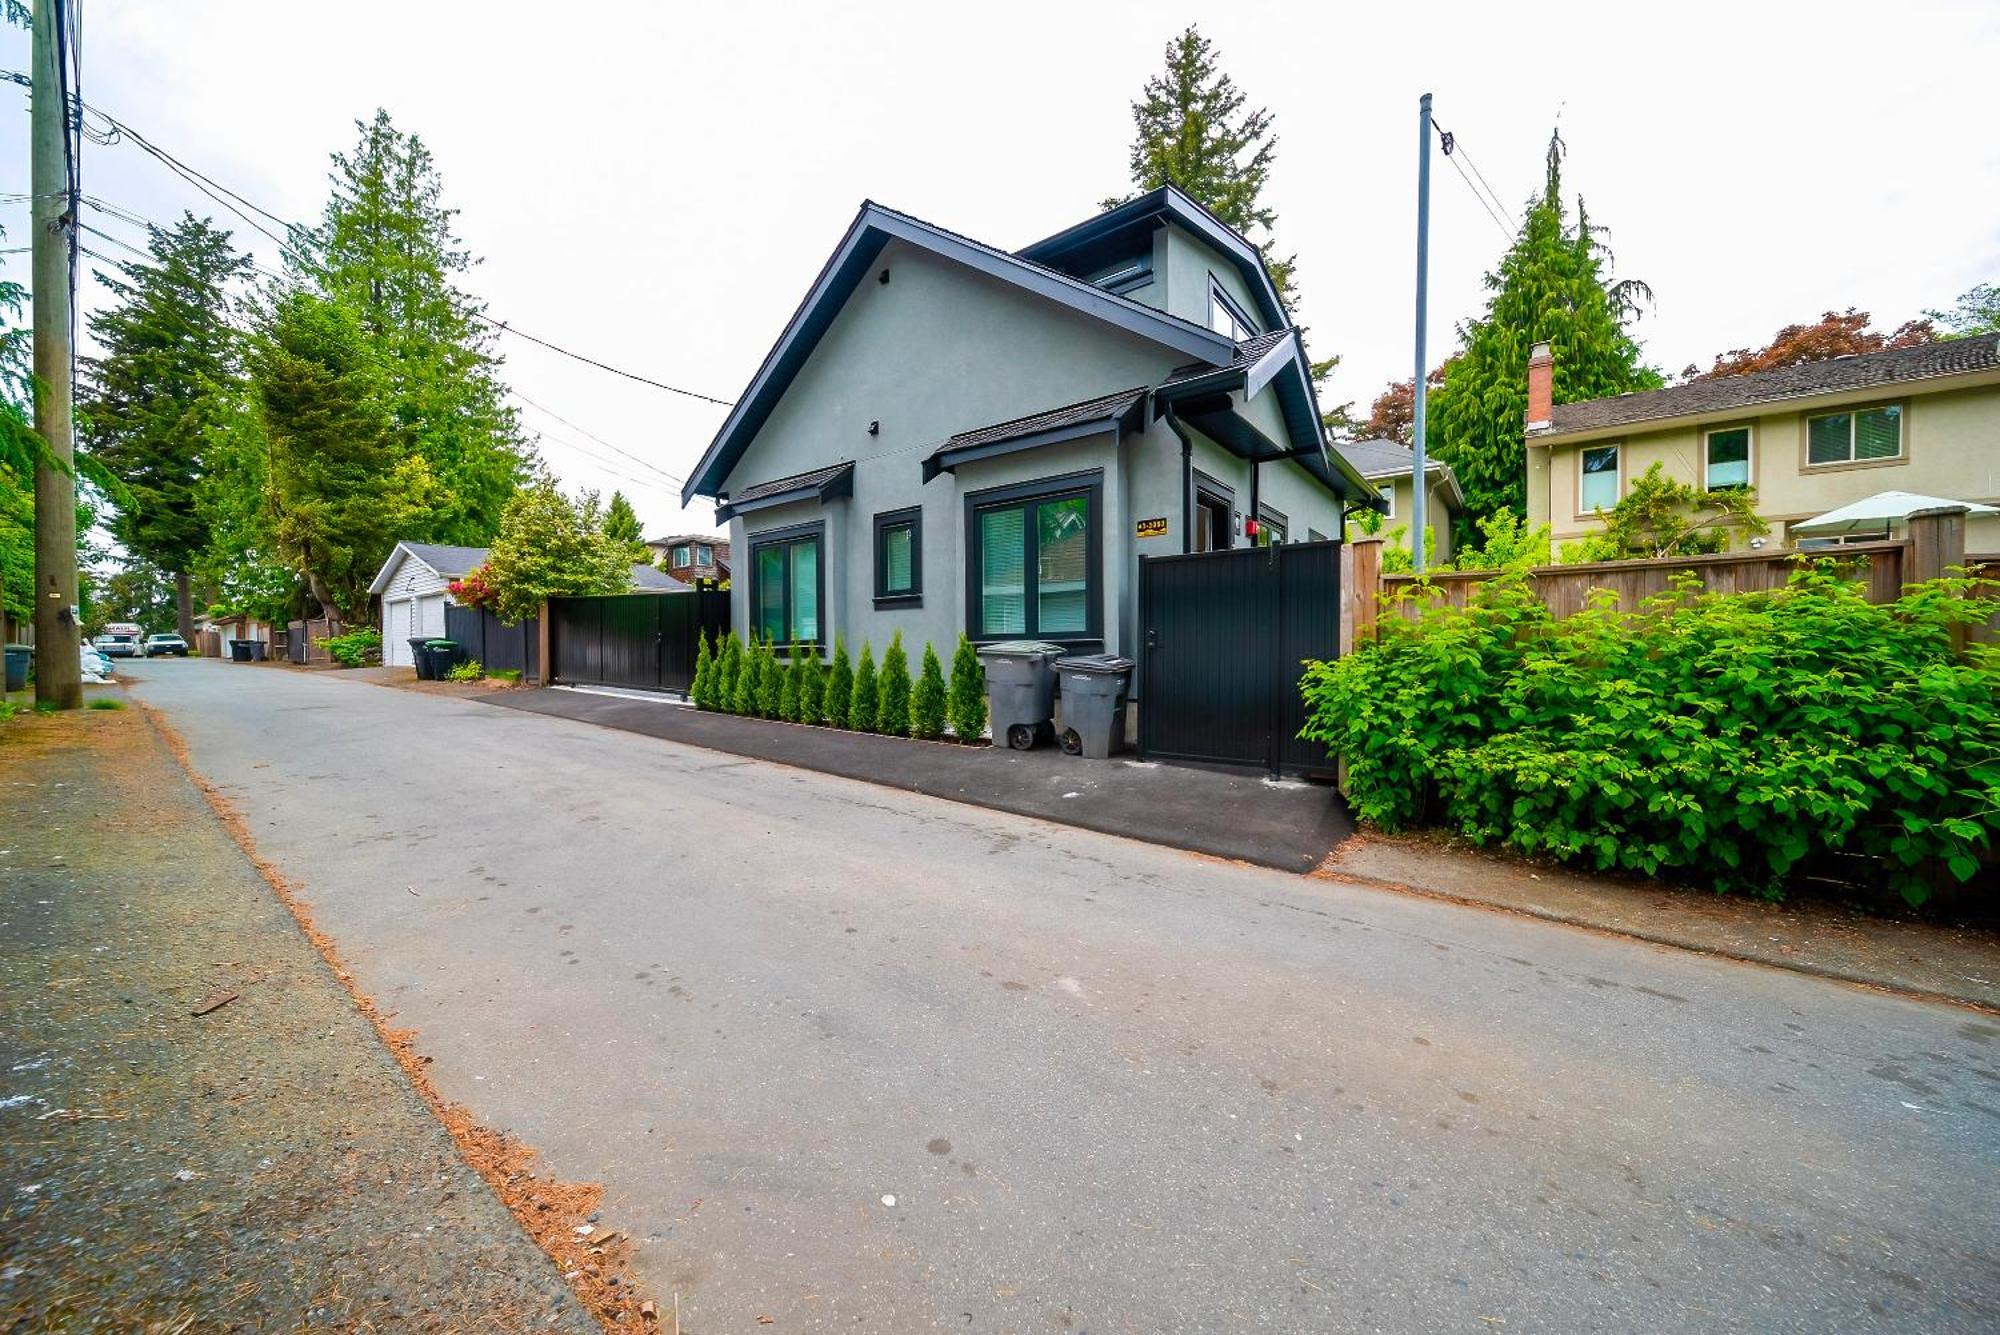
{"points": [[968, 693], [864, 707], [812, 690], [340, 492], [1551, 287], [729, 674], [927, 699], [743, 700], [788, 692], [704, 673], [387, 249], [770, 681], [20, 447], [893, 687], [621, 525], [1193, 129], [839, 694], [153, 400]]}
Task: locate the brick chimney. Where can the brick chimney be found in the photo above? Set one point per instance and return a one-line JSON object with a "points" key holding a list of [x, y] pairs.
{"points": [[1541, 388]]}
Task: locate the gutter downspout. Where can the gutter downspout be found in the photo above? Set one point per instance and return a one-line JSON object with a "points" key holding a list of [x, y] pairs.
{"points": [[1187, 476]]}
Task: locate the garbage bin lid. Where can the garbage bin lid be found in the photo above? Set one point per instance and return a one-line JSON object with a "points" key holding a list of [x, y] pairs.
{"points": [[1108, 664], [440, 644], [1041, 647]]}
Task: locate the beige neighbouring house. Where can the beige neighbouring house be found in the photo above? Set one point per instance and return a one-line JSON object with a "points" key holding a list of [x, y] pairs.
{"points": [[1809, 438], [1388, 465]]}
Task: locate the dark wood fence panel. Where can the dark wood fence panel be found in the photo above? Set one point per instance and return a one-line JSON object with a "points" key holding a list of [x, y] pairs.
{"points": [[648, 641], [498, 646]]}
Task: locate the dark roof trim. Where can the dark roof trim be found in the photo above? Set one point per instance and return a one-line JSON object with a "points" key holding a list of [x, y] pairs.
{"points": [[874, 227], [1172, 202], [822, 485], [1121, 415]]}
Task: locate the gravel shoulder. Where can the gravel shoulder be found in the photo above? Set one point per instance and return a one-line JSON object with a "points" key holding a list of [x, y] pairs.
{"points": [[265, 1165]]}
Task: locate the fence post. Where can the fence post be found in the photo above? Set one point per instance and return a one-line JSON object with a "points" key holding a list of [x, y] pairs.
{"points": [[1937, 542], [1361, 589], [545, 664]]}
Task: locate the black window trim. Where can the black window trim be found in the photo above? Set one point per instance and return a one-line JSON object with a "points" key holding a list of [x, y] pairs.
{"points": [[1269, 516], [1217, 292], [912, 518], [1215, 489], [1088, 483], [785, 537]]}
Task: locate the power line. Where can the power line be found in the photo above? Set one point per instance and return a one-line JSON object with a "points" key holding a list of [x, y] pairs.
{"points": [[505, 327], [645, 463], [1449, 142], [1491, 192]]}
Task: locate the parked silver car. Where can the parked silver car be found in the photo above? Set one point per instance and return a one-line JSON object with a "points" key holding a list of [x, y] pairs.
{"points": [[165, 645]]}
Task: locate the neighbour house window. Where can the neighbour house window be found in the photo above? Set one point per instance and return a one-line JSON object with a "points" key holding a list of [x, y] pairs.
{"points": [[787, 584], [1225, 316], [704, 556], [1726, 462], [1856, 435], [899, 558], [1388, 493], [680, 558], [1035, 559], [1597, 483]]}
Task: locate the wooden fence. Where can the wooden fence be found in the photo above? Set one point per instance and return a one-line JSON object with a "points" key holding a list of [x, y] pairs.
{"points": [[1935, 545]]}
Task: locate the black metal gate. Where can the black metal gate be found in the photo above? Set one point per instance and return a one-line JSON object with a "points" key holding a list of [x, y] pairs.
{"points": [[644, 640], [1224, 640]]}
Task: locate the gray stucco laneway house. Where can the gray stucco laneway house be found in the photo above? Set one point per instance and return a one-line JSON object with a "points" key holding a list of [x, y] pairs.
{"points": [[948, 436]]}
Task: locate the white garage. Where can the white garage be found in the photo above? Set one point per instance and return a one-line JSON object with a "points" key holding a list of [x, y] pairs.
{"points": [[413, 586]]}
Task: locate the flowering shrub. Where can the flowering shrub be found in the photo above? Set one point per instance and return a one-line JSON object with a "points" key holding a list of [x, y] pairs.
{"points": [[475, 590], [1725, 737]]}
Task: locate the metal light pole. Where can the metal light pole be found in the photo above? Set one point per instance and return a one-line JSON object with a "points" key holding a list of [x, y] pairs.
{"points": [[1418, 518]]}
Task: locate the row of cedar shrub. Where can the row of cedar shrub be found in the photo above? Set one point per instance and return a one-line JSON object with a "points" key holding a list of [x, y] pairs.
{"points": [[753, 680], [1737, 739]]}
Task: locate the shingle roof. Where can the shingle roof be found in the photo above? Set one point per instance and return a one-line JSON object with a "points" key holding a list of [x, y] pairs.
{"points": [[448, 560], [646, 579], [1248, 353], [1837, 375], [1100, 409], [817, 477], [1383, 458]]}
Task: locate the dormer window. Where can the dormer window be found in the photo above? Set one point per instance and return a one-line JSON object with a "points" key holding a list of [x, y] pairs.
{"points": [[1225, 316], [704, 556], [681, 558]]}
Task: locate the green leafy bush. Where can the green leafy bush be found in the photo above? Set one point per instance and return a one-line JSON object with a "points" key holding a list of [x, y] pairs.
{"points": [[770, 681], [470, 670], [788, 689], [512, 676], [892, 716], [839, 685], [968, 693], [357, 648], [812, 689], [728, 672], [864, 706], [1727, 738], [743, 698]]}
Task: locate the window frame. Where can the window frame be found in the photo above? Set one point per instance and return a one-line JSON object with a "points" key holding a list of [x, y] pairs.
{"points": [[1268, 518], [1618, 477], [1216, 494], [683, 557], [1089, 484], [1387, 491], [1708, 433], [789, 536], [1218, 295], [1852, 413], [912, 518], [704, 556]]}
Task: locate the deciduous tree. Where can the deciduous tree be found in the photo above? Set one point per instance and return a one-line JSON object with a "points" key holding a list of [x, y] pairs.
{"points": [[552, 547], [1835, 334]]}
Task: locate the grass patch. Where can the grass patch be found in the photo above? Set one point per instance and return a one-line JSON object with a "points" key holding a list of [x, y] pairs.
{"points": [[510, 675], [104, 702]]}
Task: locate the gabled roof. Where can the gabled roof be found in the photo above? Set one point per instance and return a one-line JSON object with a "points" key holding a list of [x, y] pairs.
{"points": [[449, 562], [1838, 375], [1147, 211], [1382, 460], [1038, 429], [818, 484], [873, 228]]}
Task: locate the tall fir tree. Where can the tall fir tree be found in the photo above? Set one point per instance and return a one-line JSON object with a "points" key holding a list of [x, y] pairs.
{"points": [[1552, 286], [387, 249], [1193, 128], [165, 388], [621, 525]]}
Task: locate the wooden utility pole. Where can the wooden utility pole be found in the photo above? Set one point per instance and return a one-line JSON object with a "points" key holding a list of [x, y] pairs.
{"points": [[58, 671]]}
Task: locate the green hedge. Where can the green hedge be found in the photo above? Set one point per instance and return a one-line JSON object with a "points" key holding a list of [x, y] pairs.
{"points": [[1726, 738]]}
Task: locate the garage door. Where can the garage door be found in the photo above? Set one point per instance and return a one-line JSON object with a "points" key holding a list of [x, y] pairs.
{"points": [[430, 617], [397, 628]]}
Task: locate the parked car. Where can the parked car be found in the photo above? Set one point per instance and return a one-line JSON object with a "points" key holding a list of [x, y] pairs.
{"points": [[158, 645], [120, 644]]}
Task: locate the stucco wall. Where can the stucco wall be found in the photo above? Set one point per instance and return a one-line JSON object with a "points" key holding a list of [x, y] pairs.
{"points": [[1189, 262], [1951, 449]]}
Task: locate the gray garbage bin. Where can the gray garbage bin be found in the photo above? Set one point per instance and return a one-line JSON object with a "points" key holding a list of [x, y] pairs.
{"points": [[1094, 688], [1020, 690], [259, 651]]}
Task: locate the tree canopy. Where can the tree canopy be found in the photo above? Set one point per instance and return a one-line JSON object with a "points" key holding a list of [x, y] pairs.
{"points": [[1977, 311], [621, 525], [1552, 286], [549, 546], [1835, 334]]}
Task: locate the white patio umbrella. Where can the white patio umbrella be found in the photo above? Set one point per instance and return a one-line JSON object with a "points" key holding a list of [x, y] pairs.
{"points": [[1884, 507]]}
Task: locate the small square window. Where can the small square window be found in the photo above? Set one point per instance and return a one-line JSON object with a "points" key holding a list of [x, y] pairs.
{"points": [[1727, 462], [1388, 493], [680, 558], [1597, 487], [899, 558]]}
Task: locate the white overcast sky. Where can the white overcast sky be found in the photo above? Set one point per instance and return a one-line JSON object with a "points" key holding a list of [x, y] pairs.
{"points": [[656, 184]]}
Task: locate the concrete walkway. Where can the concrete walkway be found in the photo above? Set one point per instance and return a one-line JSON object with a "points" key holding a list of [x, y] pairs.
{"points": [[1231, 814], [852, 1058]]}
